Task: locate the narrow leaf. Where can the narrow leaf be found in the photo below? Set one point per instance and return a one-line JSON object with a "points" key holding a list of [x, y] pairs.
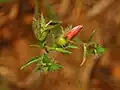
{"points": [[71, 46], [62, 50], [91, 37], [42, 21], [51, 27], [33, 60]]}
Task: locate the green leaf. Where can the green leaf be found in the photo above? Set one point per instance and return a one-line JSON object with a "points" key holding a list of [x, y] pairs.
{"points": [[54, 67], [71, 46], [42, 21], [100, 50], [95, 48], [62, 50], [44, 63], [33, 60], [36, 28], [41, 45], [47, 64], [91, 37], [55, 22], [51, 27], [46, 58]]}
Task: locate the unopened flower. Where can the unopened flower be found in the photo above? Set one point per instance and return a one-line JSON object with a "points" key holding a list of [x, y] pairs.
{"points": [[73, 32], [63, 39]]}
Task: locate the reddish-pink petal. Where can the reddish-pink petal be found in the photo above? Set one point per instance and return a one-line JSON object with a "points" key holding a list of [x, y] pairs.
{"points": [[73, 32]]}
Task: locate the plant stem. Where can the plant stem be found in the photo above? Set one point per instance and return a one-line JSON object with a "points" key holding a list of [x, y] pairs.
{"points": [[36, 8], [84, 54]]}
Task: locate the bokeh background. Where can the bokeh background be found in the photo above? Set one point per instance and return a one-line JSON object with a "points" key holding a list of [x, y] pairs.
{"points": [[16, 34]]}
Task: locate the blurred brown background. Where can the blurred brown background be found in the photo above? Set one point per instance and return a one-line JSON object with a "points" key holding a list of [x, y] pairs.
{"points": [[16, 35]]}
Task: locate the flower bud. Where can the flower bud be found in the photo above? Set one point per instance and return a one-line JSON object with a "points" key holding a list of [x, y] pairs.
{"points": [[61, 41], [73, 32]]}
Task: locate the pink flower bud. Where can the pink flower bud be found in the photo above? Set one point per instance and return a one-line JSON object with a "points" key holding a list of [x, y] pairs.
{"points": [[73, 32]]}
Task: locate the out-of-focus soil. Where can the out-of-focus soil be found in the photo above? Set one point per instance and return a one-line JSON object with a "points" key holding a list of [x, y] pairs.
{"points": [[16, 35]]}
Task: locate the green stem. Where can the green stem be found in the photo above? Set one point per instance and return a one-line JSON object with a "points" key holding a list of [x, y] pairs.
{"points": [[36, 8], [90, 39]]}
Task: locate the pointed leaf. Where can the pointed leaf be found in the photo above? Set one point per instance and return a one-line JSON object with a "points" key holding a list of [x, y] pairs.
{"points": [[71, 46], [42, 20], [46, 58], [36, 28], [100, 50], [54, 67], [62, 50], [51, 22], [51, 27], [33, 60], [91, 37]]}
